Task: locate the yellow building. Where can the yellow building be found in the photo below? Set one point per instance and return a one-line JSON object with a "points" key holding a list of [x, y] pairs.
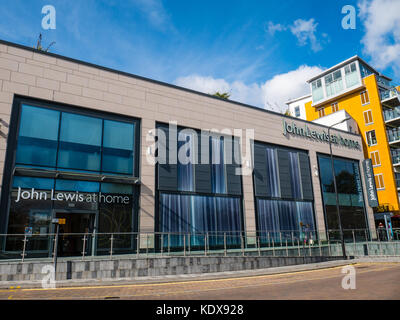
{"points": [[367, 96]]}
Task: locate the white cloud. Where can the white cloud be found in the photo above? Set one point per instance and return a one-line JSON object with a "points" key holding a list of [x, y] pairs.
{"points": [[286, 86], [305, 30], [381, 20], [241, 92], [272, 95], [272, 28], [155, 13]]}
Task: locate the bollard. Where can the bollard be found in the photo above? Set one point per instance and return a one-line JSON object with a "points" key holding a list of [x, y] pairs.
{"points": [[205, 245], [169, 243], [273, 247], [84, 247], [190, 240], [162, 244], [225, 244], [354, 243], [292, 239], [24, 248], [184, 245], [287, 251], [329, 247], [259, 247], [319, 244], [309, 247], [137, 245], [147, 245], [111, 246], [269, 245], [298, 246], [242, 245]]}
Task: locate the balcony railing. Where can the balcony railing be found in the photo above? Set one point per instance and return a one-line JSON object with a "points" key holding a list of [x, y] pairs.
{"points": [[396, 157], [391, 114], [393, 134], [389, 94]]}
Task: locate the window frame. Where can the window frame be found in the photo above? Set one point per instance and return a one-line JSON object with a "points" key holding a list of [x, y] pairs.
{"points": [[321, 112], [377, 179], [335, 107], [367, 139], [364, 96], [369, 116], [374, 155]]}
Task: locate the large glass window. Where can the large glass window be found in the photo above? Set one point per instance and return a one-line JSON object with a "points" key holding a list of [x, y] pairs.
{"points": [[201, 216], [278, 218], [272, 171], [186, 160], [217, 165], [80, 142], [333, 83], [118, 147], [350, 195], [295, 175], [63, 140], [351, 75], [317, 90], [38, 136]]}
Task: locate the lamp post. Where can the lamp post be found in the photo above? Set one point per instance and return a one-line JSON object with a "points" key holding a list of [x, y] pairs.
{"points": [[335, 187]]}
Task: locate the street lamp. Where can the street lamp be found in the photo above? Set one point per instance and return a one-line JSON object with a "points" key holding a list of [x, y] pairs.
{"points": [[336, 192]]}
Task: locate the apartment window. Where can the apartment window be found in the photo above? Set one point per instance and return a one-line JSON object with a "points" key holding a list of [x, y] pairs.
{"points": [[297, 111], [368, 117], [364, 98], [380, 185], [351, 75], [321, 112], [371, 138], [317, 91], [376, 161], [333, 83], [335, 107]]}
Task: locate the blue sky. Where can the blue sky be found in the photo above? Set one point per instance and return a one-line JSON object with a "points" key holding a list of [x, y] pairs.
{"points": [[260, 51]]}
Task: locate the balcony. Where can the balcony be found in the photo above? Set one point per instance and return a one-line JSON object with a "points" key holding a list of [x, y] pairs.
{"points": [[396, 158], [392, 116], [390, 98], [394, 137], [397, 177]]}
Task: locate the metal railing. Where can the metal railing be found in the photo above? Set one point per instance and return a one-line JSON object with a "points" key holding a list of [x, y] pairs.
{"points": [[388, 94], [261, 243], [391, 114], [393, 134]]}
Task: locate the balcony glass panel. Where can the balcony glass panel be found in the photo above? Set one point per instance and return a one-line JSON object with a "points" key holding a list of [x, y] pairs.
{"points": [[333, 83], [391, 114], [351, 75], [393, 134], [317, 91]]}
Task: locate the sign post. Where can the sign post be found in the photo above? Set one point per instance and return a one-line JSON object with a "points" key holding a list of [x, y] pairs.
{"points": [[57, 222]]}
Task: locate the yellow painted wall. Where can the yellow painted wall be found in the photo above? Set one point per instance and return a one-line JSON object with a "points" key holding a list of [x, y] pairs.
{"points": [[352, 104]]}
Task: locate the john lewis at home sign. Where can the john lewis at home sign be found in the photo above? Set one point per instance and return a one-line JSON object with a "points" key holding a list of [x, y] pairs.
{"points": [[305, 131], [76, 196], [370, 182]]}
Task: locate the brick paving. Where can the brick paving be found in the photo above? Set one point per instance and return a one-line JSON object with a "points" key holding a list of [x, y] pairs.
{"points": [[373, 281]]}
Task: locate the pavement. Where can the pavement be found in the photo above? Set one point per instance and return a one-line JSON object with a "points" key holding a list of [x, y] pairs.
{"points": [[376, 278]]}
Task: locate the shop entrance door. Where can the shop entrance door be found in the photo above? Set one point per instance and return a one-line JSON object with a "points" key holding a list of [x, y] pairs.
{"points": [[71, 235]]}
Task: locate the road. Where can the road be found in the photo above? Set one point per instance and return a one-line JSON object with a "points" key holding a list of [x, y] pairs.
{"points": [[373, 281]]}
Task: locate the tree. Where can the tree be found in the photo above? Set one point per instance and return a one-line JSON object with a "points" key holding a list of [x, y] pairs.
{"points": [[39, 44], [223, 95], [288, 113]]}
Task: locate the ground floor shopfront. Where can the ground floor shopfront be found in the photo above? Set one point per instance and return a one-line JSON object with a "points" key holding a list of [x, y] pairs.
{"points": [[90, 161]]}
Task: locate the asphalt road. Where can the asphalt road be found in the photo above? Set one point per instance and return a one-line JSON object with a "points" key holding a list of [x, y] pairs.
{"points": [[373, 281]]}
